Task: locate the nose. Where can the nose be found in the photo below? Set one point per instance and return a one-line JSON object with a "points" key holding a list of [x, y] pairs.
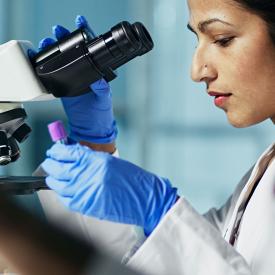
{"points": [[203, 68]]}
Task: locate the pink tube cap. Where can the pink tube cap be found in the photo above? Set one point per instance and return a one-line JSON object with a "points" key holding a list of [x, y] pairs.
{"points": [[57, 131]]}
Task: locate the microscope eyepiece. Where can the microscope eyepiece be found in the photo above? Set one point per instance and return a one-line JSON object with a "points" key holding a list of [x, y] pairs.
{"points": [[123, 43], [69, 66], [146, 40]]}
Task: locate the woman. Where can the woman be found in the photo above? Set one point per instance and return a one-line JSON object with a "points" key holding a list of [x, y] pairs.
{"points": [[235, 57]]}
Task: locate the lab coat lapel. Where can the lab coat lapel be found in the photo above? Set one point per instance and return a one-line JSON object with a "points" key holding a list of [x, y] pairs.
{"points": [[254, 241], [238, 197]]}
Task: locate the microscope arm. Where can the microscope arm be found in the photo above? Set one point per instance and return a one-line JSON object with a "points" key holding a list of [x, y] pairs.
{"points": [[18, 84]]}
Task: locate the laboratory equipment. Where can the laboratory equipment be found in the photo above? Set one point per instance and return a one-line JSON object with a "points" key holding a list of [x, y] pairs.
{"points": [[21, 185], [69, 66], [66, 68], [96, 104]]}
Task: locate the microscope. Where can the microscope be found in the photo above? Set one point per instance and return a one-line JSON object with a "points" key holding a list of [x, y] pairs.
{"points": [[66, 68]]}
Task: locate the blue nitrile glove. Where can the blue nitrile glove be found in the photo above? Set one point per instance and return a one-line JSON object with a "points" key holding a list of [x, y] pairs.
{"points": [[90, 115], [103, 186]]}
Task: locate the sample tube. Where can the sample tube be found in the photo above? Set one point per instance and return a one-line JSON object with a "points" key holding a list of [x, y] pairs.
{"points": [[57, 132]]}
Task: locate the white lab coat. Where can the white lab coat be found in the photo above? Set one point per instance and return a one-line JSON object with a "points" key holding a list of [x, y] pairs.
{"points": [[186, 242], [115, 238]]}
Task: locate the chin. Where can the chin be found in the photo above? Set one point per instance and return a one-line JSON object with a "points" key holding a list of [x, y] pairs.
{"points": [[239, 121], [239, 124]]}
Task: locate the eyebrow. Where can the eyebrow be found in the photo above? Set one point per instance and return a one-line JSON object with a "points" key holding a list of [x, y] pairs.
{"points": [[202, 26]]}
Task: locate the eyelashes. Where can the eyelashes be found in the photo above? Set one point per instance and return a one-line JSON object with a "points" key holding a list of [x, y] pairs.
{"points": [[224, 42], [221, 42]]}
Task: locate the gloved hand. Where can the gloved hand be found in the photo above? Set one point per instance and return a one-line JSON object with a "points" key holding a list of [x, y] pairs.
{"points": [[103, 186], [90, 115]]}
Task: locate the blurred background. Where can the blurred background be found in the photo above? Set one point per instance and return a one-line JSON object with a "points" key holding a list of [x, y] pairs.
{"points": [[167, 124]]}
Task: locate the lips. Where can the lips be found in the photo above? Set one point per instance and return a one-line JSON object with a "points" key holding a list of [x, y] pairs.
{"points": [[220, 98], [219, 94]]}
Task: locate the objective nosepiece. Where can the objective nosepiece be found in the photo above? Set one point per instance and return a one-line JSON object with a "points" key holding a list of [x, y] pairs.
{"points": [[22, 133], [5, 150]]}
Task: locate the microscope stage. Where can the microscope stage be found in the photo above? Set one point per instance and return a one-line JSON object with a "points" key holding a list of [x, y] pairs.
{"points": [[21, 185]]}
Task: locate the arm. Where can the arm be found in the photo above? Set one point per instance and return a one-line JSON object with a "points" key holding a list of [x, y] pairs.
{"points": [[90, 116], [91, 123], [193, 244], [108, 148], [100, 185], [115, 238]]}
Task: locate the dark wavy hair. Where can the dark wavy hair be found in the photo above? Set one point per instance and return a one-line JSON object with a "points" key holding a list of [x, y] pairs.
{"points": [[263, 8]]}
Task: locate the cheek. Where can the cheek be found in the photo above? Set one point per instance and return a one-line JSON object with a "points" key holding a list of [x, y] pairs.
{"points": [[256, 76], [243, 67], [248, 67]]}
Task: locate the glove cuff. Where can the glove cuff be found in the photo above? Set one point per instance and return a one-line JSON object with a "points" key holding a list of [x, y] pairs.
{"points": [[167, 198], [96, 139]]}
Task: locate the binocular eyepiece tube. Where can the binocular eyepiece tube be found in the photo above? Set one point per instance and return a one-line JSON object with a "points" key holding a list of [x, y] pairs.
{"points": [[71, 65]]}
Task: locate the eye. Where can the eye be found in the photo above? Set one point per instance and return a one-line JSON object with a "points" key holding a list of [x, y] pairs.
{"points": [[224, 42]]}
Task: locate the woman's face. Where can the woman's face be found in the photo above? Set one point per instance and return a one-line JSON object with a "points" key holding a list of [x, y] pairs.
{"points": [[235, 57]]}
